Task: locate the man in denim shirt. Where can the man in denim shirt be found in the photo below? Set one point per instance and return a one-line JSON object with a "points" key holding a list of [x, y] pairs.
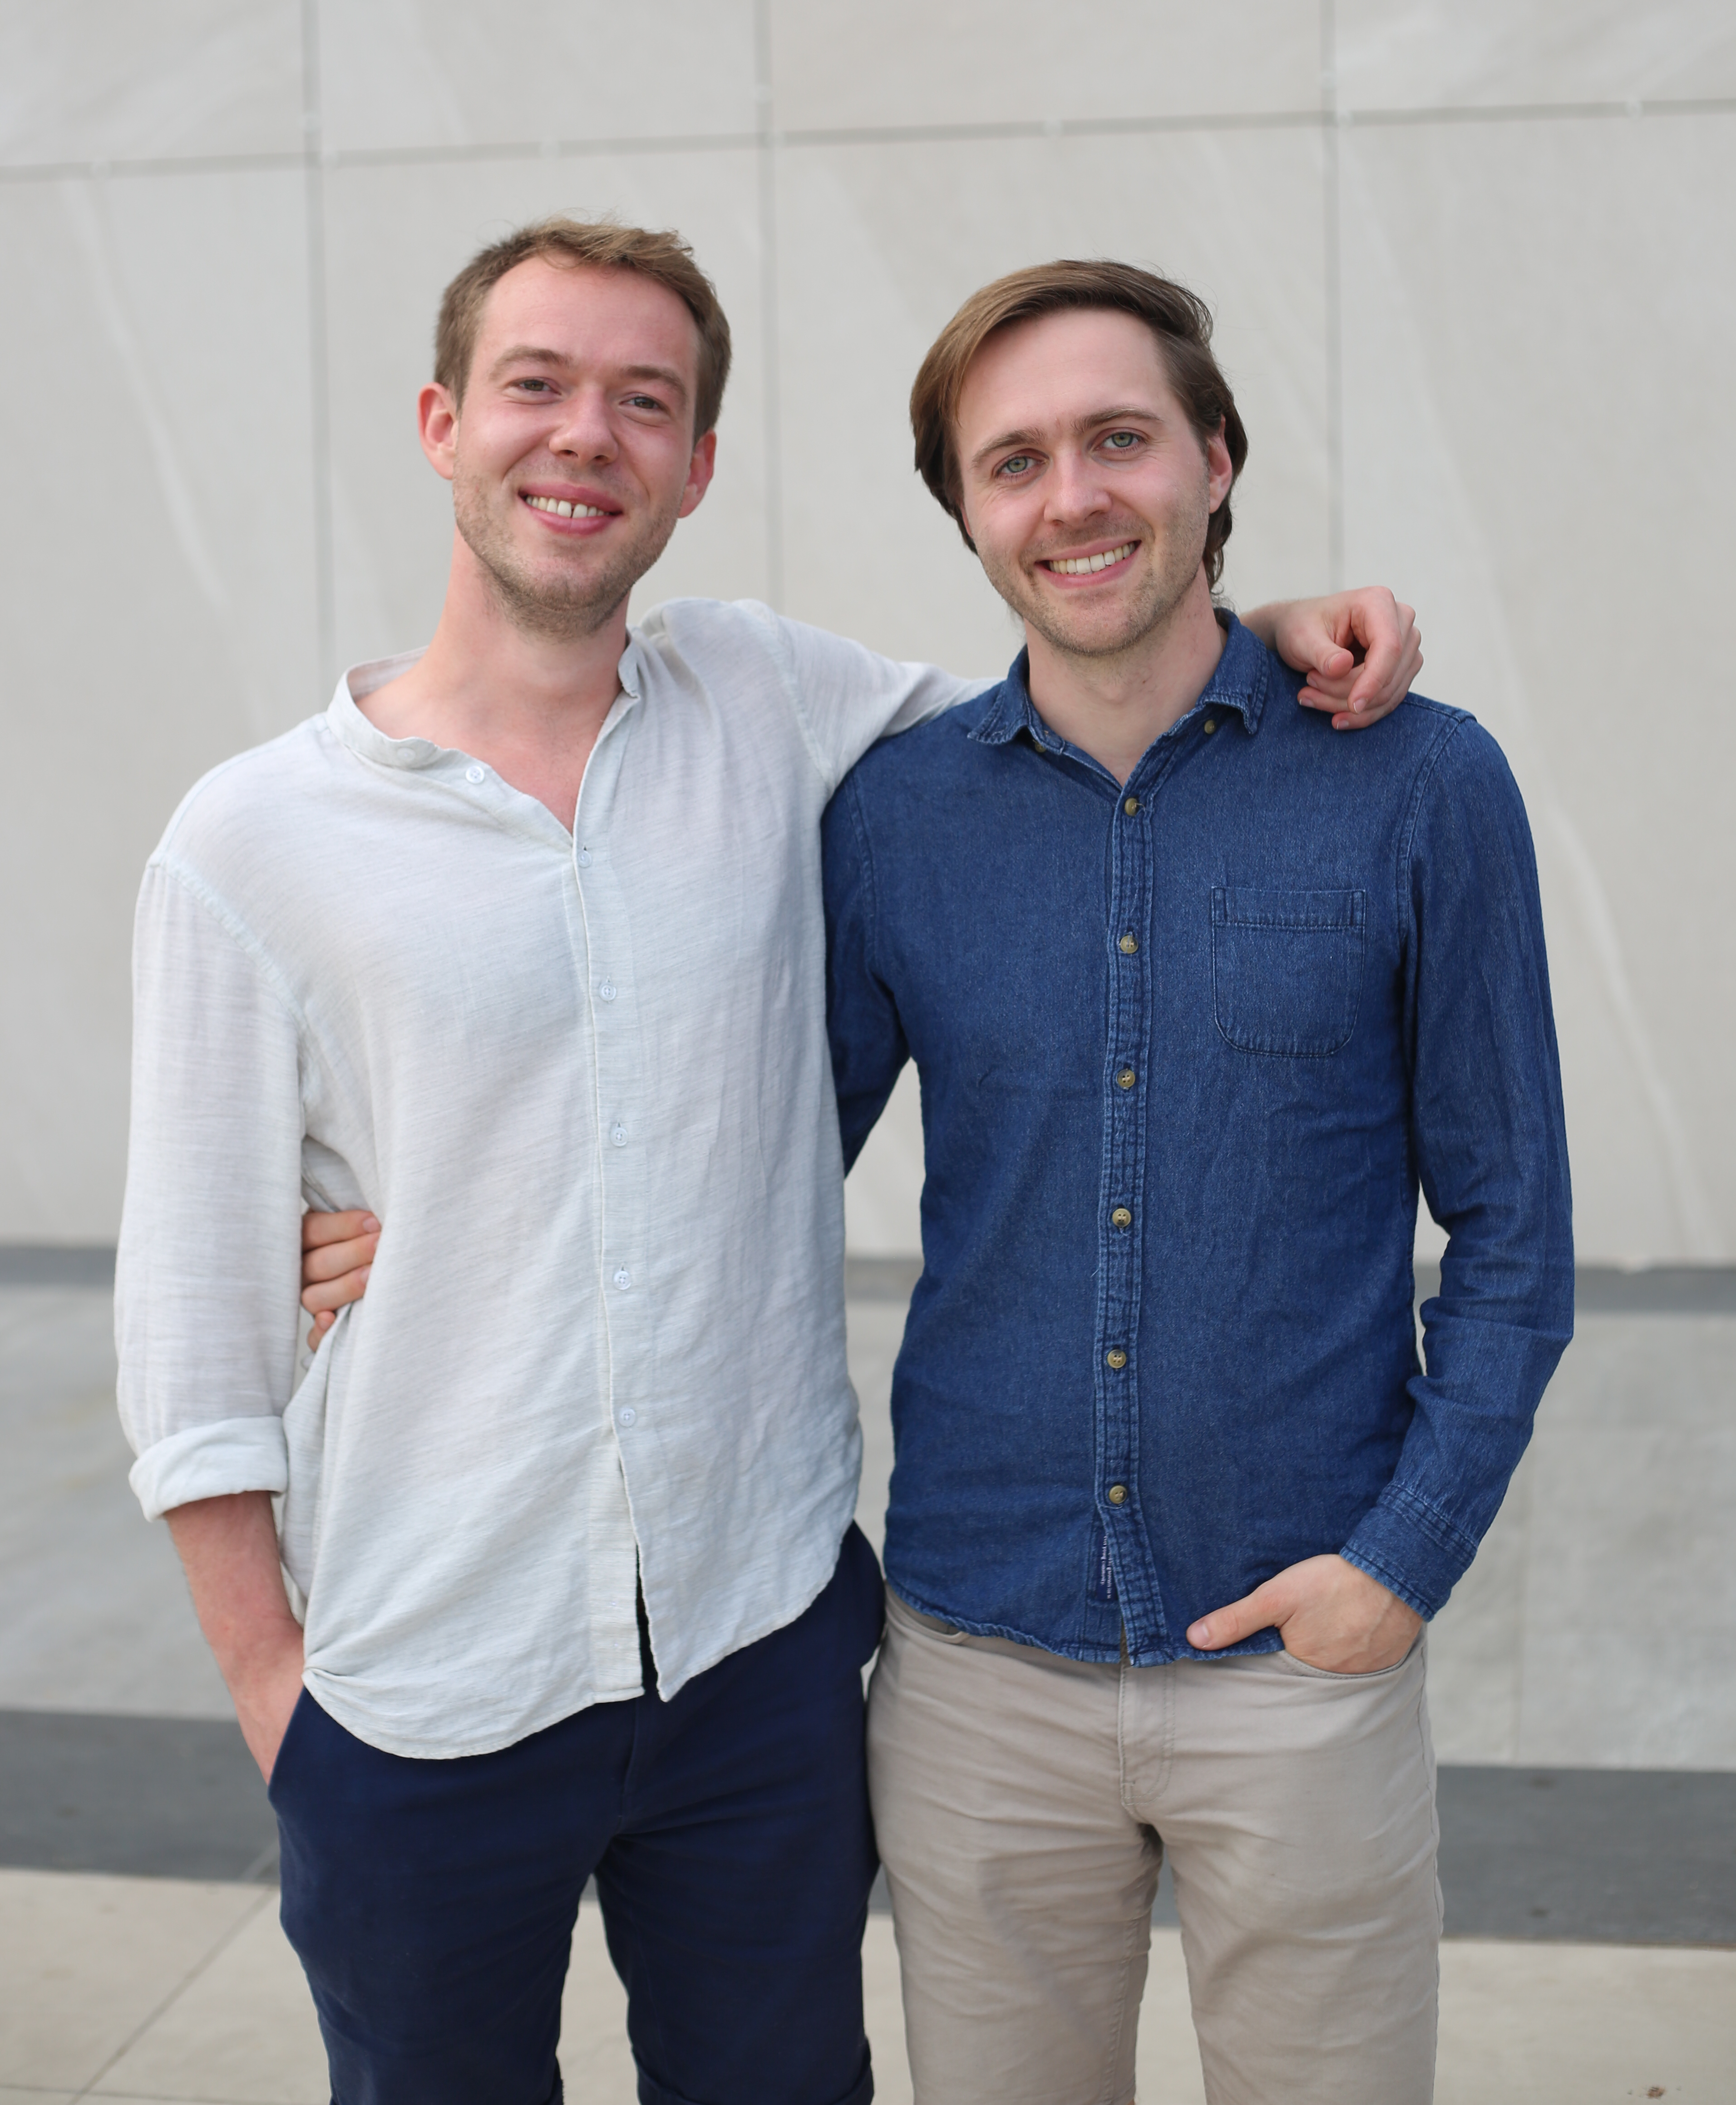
{"points": [[1199, 995]]}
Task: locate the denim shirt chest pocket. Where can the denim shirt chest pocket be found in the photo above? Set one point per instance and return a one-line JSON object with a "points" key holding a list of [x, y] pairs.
{"points": [[1287, 969]]}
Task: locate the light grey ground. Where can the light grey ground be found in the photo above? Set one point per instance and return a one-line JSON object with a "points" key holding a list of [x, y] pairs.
{"points": [[93, 1614]]}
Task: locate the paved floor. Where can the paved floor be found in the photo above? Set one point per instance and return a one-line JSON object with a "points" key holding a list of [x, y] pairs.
{"points": [[164, 1990]]}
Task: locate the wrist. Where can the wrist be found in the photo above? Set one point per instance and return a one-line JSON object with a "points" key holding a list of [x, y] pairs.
{"points": [[261, 1652]]}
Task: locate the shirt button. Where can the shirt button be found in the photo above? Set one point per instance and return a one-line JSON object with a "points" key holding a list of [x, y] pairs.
{"points": [[1115, 1358], [1130, 805], [607, 990], [1118, 1495], [583, 858], [1121, 1218], [624, 1278], [629, 1416], [1129, 944], [1211, 724], [618, 1134], [1126, 1079], [472, 775]]}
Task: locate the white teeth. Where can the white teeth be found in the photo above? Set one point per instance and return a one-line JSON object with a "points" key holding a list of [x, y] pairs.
{"points": [[1073, 566], [562, 509]]}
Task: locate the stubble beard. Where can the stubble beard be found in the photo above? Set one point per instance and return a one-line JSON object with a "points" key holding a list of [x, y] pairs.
{"points": [[1161, 587], [565, 601]]}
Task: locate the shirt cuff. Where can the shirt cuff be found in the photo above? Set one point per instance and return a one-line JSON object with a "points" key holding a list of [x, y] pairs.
{"points": [[1412, 1549], [211, 1462]]}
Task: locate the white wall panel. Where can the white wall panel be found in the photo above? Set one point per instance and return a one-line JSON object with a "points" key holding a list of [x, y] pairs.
{"points": [[878, 245], [85, 80], [423, 74], [1537, 319], [1540, 441], [158, 549], [396, 235], [838, 63], [1421, 54]]}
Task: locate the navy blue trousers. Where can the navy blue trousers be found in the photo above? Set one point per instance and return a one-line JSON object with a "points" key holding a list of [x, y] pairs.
{"points": [[432, 1902]]}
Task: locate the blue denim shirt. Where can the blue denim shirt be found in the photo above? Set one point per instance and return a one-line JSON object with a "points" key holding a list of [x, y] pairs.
{"points": [[1187, 1046]]}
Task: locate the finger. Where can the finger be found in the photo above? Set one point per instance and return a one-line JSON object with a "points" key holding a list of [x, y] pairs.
{"points": [[1320, 694], [1391, 664], [321, 1324], [1240, 1619], [1333, 660], [337, 1293], [337, 1258], [318, 1229]]}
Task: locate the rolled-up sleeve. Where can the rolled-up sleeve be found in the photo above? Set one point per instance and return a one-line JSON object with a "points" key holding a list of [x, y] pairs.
{"points": [[1490, 1145], [208, 1267]]}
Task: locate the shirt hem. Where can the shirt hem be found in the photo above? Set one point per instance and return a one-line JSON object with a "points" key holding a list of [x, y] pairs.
{"points": [[1087, 1655]]}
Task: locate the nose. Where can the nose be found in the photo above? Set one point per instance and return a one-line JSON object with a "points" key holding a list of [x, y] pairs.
{"points": [[1076, 490], [584, 430]]}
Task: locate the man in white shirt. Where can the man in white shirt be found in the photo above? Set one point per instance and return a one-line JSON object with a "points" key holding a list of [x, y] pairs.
{"points": [[526, 931]]}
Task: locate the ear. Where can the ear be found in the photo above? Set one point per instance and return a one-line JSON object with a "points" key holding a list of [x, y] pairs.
{"points": [[1219, 470], [701, 469], [436, 426]]}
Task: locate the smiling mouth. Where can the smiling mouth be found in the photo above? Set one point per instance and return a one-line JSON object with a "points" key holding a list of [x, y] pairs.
{"points": [[561, 509], [1079, 566]]}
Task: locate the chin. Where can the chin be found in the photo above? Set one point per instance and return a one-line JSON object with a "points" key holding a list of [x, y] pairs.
{"points": [[1103, 635]]}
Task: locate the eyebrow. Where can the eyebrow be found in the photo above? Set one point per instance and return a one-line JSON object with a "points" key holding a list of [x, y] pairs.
{"points": [[1116, 414], [533, 354]]}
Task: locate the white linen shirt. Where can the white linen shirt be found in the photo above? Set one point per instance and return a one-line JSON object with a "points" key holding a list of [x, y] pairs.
{"points": [[583, 1079]]}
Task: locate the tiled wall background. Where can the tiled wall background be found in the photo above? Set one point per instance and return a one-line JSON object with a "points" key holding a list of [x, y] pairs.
{"points": [[1476, 285]]}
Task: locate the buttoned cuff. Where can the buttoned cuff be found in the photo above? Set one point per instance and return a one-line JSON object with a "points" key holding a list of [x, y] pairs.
{"points": [[210, 1462], [1412, 1549]]}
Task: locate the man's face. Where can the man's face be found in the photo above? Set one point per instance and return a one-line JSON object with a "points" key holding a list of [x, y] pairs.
{"points": [[1074, 449], [572, 455]]}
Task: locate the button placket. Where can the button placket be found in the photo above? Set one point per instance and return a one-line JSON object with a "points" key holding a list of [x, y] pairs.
{"points": [[1120, 1239], [615, 1155]]}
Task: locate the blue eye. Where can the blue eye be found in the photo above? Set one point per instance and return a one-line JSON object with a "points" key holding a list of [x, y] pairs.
{"points": [[1121, 440], [1016, 465]]}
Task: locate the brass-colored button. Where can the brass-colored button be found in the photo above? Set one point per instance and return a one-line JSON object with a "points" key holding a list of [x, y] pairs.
{"points": [[1130, 805], [1211, 724], [1115, 1358], [1118, 1495], [1126, 1079], [1121, 1218], [1129, 944]]}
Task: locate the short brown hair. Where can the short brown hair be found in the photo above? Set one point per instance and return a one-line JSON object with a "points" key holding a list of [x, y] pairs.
{"points": [[1180, 321], [664, 257]]}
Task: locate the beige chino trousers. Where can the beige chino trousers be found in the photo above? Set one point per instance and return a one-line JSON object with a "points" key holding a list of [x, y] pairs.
{"points": [[1023, 1804]]}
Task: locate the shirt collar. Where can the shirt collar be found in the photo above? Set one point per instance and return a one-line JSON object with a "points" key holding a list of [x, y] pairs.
{"points": [[1239, 682], [364, 737]]}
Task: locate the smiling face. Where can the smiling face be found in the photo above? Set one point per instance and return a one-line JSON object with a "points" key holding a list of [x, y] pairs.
{"points": [[1083, 486], [572, 454]]}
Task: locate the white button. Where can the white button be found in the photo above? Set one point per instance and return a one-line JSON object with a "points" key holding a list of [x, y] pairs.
{"points": [[627, 1416], [624, 1278], [618, 1134], [584, 858], [472, 775], [607, 989]]}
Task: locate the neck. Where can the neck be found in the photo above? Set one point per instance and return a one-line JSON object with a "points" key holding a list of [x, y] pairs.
{"points": [[1114, 707], [529, 702]]}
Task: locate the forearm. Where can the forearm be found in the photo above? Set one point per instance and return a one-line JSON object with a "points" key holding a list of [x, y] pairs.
{"points": [[228, 1547], [1263, 621]]}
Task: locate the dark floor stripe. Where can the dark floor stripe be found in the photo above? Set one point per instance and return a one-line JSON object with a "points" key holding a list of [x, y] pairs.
{"points": [[1607, 1856]]}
